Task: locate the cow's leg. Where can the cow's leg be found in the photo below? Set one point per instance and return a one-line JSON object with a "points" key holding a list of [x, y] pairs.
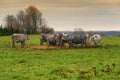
{"points": [[81, 44], [61, 44], [22, 44], [48, 43], [74, 45], [86, 44], [13, 43], [95, 44], [41, 42], [70, 45]]}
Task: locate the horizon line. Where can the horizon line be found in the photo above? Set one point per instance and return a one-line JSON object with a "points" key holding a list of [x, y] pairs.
{"points": [[87, 30]]}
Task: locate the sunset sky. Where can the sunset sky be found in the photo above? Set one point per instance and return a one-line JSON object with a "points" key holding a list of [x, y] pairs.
{"points": [[70, 14]]}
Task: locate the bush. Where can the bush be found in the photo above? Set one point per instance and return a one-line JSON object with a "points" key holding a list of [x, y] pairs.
{"points": [[4, 32]]}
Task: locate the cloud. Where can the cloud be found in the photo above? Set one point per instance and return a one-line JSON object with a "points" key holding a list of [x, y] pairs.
{"points": [[70, 12]]}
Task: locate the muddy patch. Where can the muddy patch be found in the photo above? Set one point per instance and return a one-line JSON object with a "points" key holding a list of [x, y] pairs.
{"points": [[44, 47]]}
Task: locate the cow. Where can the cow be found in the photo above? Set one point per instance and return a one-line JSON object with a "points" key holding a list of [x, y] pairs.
{"points": [[96, 39], [73, 39], [43, 38], [63, 38], [51, 39], [19, 38]]}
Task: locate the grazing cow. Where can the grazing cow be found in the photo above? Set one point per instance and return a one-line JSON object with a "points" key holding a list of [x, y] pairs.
{"points": [[43, 38], [19, 38], [77, 39], [51, 39], [73, 39], [96, 39], [63, 39]]}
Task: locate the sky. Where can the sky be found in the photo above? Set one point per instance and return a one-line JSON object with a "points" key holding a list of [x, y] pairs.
{"points": [[90, 15]]}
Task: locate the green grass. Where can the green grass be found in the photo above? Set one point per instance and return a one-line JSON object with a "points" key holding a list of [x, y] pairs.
{"points": [[72, 64]]}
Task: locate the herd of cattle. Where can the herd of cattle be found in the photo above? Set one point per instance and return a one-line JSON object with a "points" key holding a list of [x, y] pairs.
{"points": [[60, 39]]}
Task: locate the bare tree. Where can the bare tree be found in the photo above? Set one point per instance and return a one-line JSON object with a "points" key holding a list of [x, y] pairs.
{"points": [[10, 19], [44, 27], [28, 21], [35, 15], [21, 20], [28, 24]]}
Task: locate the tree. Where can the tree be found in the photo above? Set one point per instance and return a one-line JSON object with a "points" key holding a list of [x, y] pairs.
{"points": [[4, 31], [35, 16], [44, 28], [21, 20], [28, 24], [27, 21], [0, 27], [10, 19]]}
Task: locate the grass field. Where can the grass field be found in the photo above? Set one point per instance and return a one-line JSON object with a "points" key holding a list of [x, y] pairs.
{"points": [[74, 64]]}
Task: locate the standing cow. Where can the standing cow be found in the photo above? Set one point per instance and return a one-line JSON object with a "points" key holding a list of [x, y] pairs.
{"points": [[96, 39], [43, 38], [19, 38], [63, 39], [51, 39], [77, 39], [73, 39]]}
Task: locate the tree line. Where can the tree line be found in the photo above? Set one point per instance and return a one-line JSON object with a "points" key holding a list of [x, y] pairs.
{"points": [[27, 21]]}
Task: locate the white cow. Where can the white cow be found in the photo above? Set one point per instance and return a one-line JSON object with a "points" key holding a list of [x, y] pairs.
{"points": [[96, 39], [19, 38]]}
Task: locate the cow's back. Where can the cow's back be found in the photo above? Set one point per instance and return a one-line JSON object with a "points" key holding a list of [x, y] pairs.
{"points": [[44, 37], [19, 37]]}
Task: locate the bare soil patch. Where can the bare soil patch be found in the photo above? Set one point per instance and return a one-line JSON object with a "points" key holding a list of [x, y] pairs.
{"points": [[44, 47]]}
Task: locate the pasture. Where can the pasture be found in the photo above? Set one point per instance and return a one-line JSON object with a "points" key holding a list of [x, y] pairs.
{"points": [[102, 63]]}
